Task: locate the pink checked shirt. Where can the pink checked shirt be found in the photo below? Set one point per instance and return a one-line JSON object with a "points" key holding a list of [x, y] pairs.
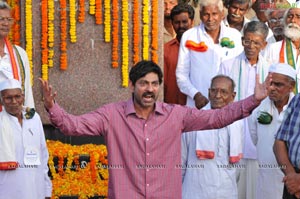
{"points": [[144, 155]]}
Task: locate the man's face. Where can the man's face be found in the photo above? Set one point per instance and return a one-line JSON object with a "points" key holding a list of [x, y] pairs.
{"points": [[275, 22], [168, 5], [292, 24], [253, 44], [280, 88], [181, 23], [236, 12], [12, 100], [211, 17], [146, 91], [220, 93], [6, 22]]}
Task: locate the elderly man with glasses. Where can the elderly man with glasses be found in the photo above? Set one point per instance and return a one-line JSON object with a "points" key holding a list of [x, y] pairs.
{"points": [[243, 69]]}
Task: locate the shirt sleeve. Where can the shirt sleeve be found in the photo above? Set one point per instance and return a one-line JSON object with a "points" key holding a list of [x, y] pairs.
{"points": [[93, 123], [183, 70], [195, 119]]}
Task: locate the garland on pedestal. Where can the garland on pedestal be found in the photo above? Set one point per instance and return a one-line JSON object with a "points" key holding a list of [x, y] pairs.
{"points": [[115, 29]]}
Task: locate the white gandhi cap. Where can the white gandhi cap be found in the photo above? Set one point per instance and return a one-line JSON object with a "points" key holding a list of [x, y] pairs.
{"points": [[284, 69], [10, 84]]}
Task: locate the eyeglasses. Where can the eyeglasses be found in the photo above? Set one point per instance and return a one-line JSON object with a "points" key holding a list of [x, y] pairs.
{"points": [[7, 19], [215, 91], [280, 20], [10, 99], [247, 42]]}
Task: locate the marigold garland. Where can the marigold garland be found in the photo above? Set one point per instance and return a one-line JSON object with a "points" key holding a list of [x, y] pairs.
{"points": [[81, 14], [92, 7], [28, 35], [15, 34], [107, 26], [63, 35], [154, 30], [98, 12], [145, 29], [125, 44], [115, 34], [136, 31], [50, 32], [71, 178], [44, 39], [72, 31]]}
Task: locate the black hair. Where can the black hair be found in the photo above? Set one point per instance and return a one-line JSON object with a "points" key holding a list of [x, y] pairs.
{"points": [[142, 68], [180, 8]]}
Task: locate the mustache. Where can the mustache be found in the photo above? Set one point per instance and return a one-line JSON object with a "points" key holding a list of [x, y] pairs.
{"points": [[148, 93], [293, 25], [237, 16]]}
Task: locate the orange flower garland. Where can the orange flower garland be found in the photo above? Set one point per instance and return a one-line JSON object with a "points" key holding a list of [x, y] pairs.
{"points": [[154, 41], [81, 14], [136, 31], [98, 12], [83, 180], [115, 34], [63, 35], [44, 39], [16, 28], [125, 44]]}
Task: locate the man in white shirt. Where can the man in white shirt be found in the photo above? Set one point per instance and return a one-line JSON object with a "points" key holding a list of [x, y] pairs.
{"points": [[23, 150], [201, 51], [264, 123], [243, 69], [287, 50], [208, 157], [236, 14]]}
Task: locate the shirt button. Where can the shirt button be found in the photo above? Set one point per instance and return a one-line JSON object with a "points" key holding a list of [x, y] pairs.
{"points": [[148, 153], [147, 185], [147, 139], [147, 169], [145, 124]]}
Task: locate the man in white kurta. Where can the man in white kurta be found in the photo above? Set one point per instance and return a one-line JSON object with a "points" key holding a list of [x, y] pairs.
{"points": [[195, 69], [243, 69], [29, 180], [269, 181], [18, 55], [287, 50], [208, 156]]}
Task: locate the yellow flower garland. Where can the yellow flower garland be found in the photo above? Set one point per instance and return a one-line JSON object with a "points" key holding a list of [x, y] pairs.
{"points": [[125, 44], [50, 32], [44, 39], [72, 31], [28, 35], [107, 26], [74, 178], [145, 29], [92, 7]]}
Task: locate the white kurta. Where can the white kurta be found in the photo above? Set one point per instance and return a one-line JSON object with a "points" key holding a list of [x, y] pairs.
{"points": [[269, 181], [196, 69], [6, 72], [211, 178], [272, 55], [27, 182]]}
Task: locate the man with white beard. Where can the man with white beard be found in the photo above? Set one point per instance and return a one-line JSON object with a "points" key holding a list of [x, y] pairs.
{"points": [[287, 50]]}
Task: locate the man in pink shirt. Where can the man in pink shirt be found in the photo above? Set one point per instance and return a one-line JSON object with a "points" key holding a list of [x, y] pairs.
{"points": [[143, 136]]}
